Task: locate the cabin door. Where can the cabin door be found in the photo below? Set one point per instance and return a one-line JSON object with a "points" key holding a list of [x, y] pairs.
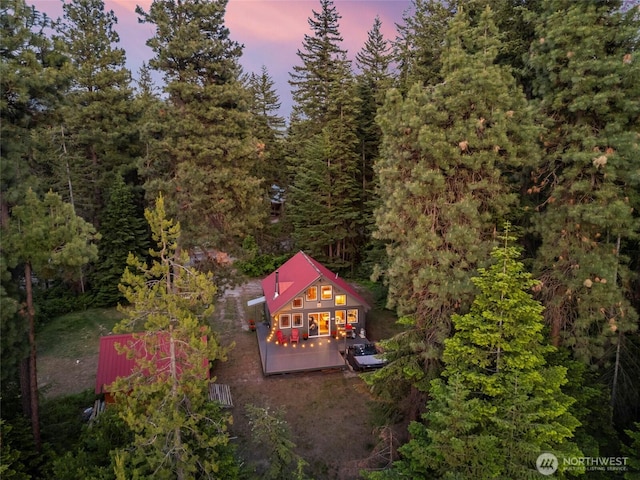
{"points": [[319, 324], [325, 323]]}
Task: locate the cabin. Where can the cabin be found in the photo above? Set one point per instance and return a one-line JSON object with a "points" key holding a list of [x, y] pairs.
{"points": [[305, 295]]}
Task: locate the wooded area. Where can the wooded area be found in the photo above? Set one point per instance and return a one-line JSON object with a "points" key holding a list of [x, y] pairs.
{"points": [[482, 168]]}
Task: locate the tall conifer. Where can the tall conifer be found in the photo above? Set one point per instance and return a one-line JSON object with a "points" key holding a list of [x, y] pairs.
{"points": [[326, 197], [179, 432], [448, 175], [323, 62], [499, 405], [48, 240], [31, 84], [97, 135], [204, 157], [373, 81], [586, 188], [269, 128]]}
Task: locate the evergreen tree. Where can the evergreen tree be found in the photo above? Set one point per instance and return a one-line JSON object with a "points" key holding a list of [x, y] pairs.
{"points": [[325, 196], [123, 231], [418, 48], [448, 173], [323, 64], [179, 433], [13, 340], [30, 86], [325, 203], [204, 157], [269, 128], [97, 136], [586, 188], [270, 431], [49, 240], [499, 405], [373, 81]]}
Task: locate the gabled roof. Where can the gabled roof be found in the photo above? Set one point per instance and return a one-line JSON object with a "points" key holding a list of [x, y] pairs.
{"points": [[113, 364], [295, 276]]}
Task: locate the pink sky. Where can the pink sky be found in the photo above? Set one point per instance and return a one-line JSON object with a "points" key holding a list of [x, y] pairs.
{"points": [[271, 31]]}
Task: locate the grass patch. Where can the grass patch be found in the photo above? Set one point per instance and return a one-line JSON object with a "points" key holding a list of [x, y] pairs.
{"points": [[77, 333]]}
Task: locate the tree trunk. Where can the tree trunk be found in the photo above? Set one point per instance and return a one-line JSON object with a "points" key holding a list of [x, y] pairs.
{"points": [[33, 373], [25, 391]]}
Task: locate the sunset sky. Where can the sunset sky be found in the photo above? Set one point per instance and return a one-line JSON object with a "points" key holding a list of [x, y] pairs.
{"points": [[271, 30]]}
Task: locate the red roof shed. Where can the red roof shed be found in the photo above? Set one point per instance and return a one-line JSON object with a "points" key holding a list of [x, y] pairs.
{"points": [[113, 364]]}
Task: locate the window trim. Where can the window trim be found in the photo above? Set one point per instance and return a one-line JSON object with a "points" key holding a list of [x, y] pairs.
{"points": [[293, 320], [315, 295], [293, 302], [342, 321], [322, 294], [281, 316], [336, 299], [356, 315]]}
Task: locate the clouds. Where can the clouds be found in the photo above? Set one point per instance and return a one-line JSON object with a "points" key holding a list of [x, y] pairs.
{"points": [[272, 31]]}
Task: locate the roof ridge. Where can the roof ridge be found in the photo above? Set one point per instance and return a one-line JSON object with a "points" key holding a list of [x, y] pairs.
{"points": [[311, 262]]}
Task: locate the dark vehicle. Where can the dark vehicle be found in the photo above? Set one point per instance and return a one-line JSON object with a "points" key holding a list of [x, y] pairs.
{"points": [[365, 356]]}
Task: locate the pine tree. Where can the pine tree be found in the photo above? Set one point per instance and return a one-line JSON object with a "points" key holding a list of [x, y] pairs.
{"points": [[499, 404], [269, 128], [97, 135], [448, 173], [30, 85], [373, 82], [270, 430], [204, 157], [179, 433], [13, 337], [49, 240], [123, 231], [586, 188], [323, 63], [418, 48], [326, 198]]}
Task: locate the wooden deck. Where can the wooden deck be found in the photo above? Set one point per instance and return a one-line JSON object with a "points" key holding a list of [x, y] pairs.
{"points": [[323, 353]]}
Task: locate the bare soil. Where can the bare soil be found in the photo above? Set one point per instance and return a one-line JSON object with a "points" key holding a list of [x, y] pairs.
{"points": [[327, 413]]}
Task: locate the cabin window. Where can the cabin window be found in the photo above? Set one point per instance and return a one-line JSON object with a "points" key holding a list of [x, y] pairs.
{"points": [[341, 299], [297, 320], [312, 294], [326, 292], [352, 316], [341, 315], [285, 320], [297, 302]]}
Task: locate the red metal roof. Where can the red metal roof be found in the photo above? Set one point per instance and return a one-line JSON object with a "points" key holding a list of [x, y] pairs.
{"points": [[295, 276], [113, 365]]}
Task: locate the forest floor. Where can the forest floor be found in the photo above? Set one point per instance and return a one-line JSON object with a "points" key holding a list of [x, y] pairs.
{"points": [[329, 414]]}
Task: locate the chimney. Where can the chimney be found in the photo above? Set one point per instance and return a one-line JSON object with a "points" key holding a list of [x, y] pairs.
{"points": [[277, 292]]}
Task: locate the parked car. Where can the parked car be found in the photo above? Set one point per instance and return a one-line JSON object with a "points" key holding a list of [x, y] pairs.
{"points": [[365, 356]]}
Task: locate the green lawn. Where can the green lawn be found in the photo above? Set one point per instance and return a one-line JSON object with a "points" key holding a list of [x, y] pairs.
{"points": [[76, 334]]}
